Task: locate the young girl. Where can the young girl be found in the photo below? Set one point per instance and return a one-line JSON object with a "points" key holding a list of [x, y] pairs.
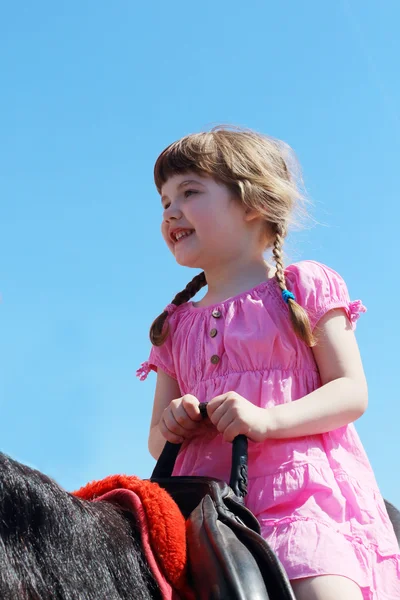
{"points": [[272, 351]]}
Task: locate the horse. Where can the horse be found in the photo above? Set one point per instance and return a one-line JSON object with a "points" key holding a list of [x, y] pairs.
{"points": [[56, 546], [394, 516], [117, 539]]}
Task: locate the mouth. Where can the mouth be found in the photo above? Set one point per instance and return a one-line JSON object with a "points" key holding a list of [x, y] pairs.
{"points": [[180, 234]]}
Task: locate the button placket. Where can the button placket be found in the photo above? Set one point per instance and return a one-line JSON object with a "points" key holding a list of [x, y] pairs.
{"points": [[213, 333]]}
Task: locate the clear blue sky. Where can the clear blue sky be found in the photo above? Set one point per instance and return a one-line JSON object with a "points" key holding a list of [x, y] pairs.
{"points": [[91, 92]]}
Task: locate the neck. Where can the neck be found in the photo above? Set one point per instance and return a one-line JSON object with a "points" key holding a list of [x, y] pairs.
{"points": [[227, 280]]}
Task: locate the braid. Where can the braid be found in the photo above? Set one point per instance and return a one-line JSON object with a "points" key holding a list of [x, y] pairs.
{"points": [[158, 334], [278, 257], [298, 316]]}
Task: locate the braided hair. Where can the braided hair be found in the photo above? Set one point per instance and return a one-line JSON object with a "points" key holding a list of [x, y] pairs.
{"points": [[264, 175], [159, 333], [298, 316]]}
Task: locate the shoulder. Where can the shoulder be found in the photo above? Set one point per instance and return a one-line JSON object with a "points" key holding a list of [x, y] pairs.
{"points": [[176, 314], [316, 278], [319, 288], [311, 270]]}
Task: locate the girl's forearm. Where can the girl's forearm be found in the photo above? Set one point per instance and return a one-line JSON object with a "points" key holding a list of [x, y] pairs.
{"points": [[156, 442], [331, 406]]}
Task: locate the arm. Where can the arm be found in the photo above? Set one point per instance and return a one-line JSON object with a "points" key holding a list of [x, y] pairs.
{"points": [[167, 389], [343, 397]]}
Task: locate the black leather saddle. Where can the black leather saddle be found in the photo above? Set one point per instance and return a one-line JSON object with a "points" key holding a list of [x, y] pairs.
{"points": [[228, 558]]}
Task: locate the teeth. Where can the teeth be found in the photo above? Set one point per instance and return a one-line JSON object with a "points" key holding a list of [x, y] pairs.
{"points": [[182, 234]]}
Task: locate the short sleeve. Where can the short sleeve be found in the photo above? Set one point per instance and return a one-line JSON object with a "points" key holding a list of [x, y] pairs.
{"points": [[160, 356], [319, 289]]}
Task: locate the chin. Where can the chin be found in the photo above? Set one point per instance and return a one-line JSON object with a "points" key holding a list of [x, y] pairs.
{"points": [[186, 261], [189, 264]]}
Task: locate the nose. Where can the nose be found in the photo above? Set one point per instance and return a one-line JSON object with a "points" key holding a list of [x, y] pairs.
{"points": [[172, 213]]}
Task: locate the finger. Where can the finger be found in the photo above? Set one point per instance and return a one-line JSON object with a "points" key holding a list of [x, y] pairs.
{"points": [[224, 422], [169, 435], [182, 418], [218, 413], [191, 406], [233, 430], [174, 439], [172, 425], [215, 403]]}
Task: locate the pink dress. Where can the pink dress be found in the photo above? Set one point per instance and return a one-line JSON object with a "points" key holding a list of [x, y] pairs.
{"points": [[315, 497]]}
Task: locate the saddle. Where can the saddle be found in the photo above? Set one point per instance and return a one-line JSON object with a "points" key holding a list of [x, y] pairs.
{"points": [[198, 538], [227, 557]]}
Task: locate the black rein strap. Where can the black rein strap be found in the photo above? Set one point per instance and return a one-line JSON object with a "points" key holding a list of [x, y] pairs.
{"points": [[238, 479]]}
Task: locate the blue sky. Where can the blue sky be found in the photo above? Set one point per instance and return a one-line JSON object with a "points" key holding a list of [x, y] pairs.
{"points": [[90, 94]]}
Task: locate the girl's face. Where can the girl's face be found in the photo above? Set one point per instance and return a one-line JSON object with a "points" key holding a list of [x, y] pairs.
{"points": [[202, 222]]}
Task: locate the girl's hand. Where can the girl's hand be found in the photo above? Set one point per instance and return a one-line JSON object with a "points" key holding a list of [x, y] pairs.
{"points": [[181, 420], [233, 415]]}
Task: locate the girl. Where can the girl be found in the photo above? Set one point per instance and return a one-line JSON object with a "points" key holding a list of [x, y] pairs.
{"points": [[272, 351]]}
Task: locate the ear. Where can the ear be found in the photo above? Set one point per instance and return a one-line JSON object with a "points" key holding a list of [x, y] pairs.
{"points": [[250, 214]]}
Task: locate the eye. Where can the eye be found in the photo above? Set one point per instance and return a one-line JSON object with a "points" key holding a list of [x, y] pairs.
{"points": [[188, 193], [166, 205]]}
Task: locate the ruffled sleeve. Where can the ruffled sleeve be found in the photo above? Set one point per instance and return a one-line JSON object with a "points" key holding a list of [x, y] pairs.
{"points": [[319, 289], [160, 356]]}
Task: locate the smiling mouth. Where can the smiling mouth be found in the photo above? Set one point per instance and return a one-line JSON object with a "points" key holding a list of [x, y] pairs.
{"points": [[181, 235]]}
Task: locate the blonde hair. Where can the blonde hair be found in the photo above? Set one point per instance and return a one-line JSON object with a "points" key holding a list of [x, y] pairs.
{"points": [[263, 173]]}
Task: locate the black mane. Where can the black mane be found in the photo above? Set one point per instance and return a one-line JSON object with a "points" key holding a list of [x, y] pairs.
{"points": [[54, 546]]}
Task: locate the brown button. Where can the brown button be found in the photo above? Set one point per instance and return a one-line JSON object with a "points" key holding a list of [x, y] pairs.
{"points": [[216, 313], [215, 359], [213, 332]]}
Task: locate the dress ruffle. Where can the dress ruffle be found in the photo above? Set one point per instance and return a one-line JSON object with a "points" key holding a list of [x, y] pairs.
{"points": [[143, 371], [355, 309]]}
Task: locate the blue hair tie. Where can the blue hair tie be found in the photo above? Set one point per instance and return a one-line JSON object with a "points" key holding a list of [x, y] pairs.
{"points": [[286, 295]]}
